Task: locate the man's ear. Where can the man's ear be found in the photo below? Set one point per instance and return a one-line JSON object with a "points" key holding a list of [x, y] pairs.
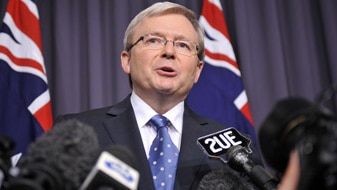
{"points": [[200, 65], [125, 61]]}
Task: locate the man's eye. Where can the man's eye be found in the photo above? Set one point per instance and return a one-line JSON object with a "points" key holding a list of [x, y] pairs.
{"points": [[183, 45], [154, 41]]}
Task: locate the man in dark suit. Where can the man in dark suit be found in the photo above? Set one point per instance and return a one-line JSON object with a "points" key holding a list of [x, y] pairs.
{"points": [[118, 125], [163, 56]]}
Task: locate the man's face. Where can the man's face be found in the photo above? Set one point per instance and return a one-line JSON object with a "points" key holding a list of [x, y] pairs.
{"points": [[163, 70]]}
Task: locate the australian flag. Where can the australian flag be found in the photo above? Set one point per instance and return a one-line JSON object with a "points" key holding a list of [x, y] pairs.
{"points": [[219, 94], [25, 108]]}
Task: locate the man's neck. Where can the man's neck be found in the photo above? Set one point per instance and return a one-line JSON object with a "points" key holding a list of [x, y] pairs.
{"points": [[161, 103]]}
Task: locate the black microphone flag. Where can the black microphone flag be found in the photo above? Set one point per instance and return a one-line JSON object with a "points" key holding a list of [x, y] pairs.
{"points": [[217, 144]]}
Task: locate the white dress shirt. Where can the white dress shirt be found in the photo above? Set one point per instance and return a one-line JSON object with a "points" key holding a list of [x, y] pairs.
{"points": [[144, 113]]}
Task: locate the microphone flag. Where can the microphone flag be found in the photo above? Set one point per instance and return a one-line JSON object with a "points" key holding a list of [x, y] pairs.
{"points": [[111, 171], [219, 93], [217, 144], [25, 108]]}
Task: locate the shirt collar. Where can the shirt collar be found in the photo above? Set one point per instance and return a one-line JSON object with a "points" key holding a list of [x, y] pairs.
{"points": [[144, 112]]}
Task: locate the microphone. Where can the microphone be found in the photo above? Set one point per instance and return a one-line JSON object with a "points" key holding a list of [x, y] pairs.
{"points": [[233, 148], [225, 179], [114, 170], [240, 160], [58, 159]]}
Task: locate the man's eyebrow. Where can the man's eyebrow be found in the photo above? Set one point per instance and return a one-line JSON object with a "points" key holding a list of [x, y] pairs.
{"points": [[176, 37]]}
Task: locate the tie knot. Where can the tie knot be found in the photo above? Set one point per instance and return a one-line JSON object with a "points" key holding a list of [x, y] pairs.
{"points": [[159, 121]]}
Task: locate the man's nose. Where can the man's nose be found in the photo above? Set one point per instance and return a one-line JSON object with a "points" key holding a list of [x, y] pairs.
{"points": [[169, 49]]}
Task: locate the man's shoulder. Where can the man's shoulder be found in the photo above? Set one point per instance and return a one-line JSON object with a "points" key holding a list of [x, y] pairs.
{"points": [[93, 117], [204, 121], [98, 113]]}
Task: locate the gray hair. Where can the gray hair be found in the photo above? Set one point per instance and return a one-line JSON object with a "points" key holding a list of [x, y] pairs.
{"points": [[163, 8]]}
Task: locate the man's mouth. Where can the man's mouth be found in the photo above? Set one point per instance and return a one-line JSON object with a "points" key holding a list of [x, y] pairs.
{"points": [[167, 69]]}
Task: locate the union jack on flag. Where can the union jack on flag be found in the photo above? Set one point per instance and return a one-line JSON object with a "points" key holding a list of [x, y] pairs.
{"points": [[25, 108], [219, 94]]}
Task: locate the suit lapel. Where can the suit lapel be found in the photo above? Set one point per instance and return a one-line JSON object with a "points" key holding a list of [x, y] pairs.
{"points": [[191, 157], [122, 129]]}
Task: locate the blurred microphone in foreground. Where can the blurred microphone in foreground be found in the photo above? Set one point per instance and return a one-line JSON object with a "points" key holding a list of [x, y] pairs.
{"points": [[67, 158], [226, 179], [307, 133], [58, 160]]}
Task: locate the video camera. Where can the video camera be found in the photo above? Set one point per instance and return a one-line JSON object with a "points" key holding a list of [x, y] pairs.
{"points": [[311, 129]]}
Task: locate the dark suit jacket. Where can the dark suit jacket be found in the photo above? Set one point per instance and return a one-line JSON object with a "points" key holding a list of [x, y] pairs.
{"points": [[117, 125]]}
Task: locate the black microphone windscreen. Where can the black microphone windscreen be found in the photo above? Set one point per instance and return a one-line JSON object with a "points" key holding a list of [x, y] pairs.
{"points": [[70, 147], [225, 179]]}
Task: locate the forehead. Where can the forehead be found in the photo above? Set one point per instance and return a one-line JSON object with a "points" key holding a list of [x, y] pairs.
{"points": [[170, 25]]}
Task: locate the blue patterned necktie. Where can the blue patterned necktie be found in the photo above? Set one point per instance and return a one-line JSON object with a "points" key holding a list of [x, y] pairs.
{"points": [[163, 155]]}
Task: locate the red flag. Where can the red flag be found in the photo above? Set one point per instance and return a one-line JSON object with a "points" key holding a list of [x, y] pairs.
{"points": [[25, 111], [219, 93]]}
